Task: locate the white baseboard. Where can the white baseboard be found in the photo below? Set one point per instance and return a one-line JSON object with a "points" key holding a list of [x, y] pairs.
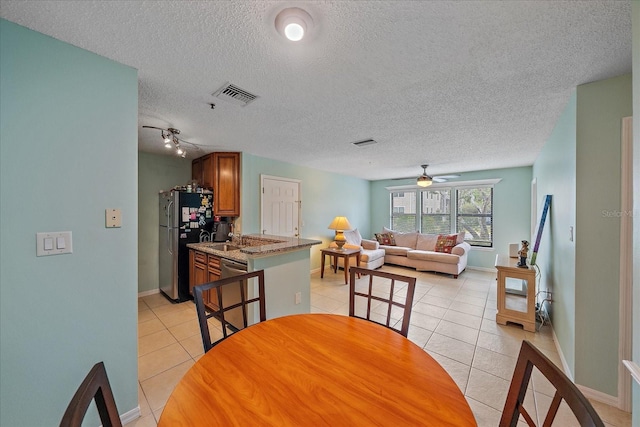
{"points": [[147, 293], [599, 396], [565, 365], [488, 270], [589, 393], [131, 415]]}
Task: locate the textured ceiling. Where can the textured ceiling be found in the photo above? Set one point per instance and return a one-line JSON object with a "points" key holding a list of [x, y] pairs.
{"points": [[461, 86]]}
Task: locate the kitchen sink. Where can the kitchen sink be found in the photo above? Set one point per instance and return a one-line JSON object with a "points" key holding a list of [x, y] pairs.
{"points": [[224, 247]]}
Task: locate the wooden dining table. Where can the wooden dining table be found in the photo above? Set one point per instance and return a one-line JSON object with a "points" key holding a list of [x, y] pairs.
{"points": [[316, 370]]}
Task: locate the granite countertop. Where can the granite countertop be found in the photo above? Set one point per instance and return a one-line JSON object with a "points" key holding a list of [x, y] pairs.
{"points": [[254, 246]]}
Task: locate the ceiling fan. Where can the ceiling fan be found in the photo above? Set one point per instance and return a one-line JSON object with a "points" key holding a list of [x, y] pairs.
{"points": [[426, 180], [171, 140]]}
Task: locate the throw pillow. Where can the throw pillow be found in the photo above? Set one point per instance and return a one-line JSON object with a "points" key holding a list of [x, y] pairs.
{"points": [[385, 239], [353, 237], [427, 242], [406, 240], [446, 242]]}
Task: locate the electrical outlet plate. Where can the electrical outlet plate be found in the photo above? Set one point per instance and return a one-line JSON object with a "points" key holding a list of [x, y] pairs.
{"points": [[113, 218]]}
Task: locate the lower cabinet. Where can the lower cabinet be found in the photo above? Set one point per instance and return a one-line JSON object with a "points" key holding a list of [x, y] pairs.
{"points": [[204, 268], [197, 269]]}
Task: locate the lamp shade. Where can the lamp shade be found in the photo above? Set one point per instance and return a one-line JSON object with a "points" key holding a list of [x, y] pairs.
{"points": [[424, 181], [340, 223]]}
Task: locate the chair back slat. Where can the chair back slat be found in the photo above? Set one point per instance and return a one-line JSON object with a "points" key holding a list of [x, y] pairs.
{"points": [[370, 296], [528, 358], [220, 286], [94, 387]]}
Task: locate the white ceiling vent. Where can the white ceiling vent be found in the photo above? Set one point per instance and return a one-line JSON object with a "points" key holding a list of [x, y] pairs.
{"points": [[235, 95], [364, 142]]}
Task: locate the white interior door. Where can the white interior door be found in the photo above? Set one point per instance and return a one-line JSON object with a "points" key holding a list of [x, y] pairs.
{"points": [[280, 206]]}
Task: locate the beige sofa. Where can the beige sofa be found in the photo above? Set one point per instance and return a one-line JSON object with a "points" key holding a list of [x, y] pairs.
{"points": [[418, 250], [371, 256]]}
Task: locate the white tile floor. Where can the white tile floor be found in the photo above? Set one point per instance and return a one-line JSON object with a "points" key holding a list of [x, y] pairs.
{"points": [[452, 319]]}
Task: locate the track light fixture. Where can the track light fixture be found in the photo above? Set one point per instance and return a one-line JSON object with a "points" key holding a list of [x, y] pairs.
{"points": [[171, 141]]}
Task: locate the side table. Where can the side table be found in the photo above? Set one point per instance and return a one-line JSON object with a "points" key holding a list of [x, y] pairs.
{"points": [[521, 307], [339, 253]]}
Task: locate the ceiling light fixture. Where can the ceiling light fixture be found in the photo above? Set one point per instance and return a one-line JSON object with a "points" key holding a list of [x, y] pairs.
{"points": [[172, 141], [424, 180], [293, 23]]}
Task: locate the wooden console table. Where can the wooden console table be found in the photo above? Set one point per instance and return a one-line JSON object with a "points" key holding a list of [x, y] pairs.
{"points": [[514, 308], [340, 253]]}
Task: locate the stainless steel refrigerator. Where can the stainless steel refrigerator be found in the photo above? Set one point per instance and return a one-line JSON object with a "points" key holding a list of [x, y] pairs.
{"points": [[184, 218]]}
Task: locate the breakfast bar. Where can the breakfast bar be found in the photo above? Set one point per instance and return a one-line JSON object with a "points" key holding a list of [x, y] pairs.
{"points": [[285, 261]]}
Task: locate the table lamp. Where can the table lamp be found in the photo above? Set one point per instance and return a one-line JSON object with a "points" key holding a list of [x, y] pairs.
{"points": [[339, 224]]}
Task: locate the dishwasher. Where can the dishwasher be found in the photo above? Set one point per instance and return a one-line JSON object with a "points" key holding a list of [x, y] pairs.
{"points": [[231, 293]]}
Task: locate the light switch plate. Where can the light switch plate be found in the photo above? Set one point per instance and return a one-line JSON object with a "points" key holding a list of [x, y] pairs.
{"points": [[54, 243], [113, 218]]}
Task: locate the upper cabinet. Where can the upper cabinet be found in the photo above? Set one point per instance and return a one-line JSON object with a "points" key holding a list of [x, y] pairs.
{"points": [[226, 184], [220, 172], [202, 171]]}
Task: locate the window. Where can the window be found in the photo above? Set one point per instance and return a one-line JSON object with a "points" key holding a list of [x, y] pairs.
{"points": [[475, 215], [435, 216], [403, 208], [446, 209]]}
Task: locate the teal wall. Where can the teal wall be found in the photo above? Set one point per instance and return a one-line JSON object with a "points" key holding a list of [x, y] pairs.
{"points": [[68, 151], [555, 174], [580, 166], [511, 210], [600, 108], [155, 173], [635, 11], [324, 196]]}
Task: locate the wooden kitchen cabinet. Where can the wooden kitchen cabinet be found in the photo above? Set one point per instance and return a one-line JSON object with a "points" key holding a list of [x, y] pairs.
{"points": [[204, 268], [226, 184], [198, 267], [221, 173], [202, 171], [196, 170]]}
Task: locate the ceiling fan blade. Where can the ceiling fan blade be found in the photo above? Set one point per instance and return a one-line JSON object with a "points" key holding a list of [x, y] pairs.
{"points": [[447, 176]]}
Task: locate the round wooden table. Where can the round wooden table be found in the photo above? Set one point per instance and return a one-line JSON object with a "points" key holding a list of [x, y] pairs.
{"points": [[316, 370]]}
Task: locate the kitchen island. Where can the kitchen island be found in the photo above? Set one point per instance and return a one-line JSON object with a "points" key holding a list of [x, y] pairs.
{"points": [[285, 261]]}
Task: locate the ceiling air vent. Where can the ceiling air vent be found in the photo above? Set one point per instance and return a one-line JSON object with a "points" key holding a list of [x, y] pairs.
{"points": [[364, 142], [234, 94]]}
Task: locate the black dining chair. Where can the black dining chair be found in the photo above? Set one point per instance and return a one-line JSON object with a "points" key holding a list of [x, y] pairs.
{"points": [[226, 300], [376, 281], [566, 390], [94, 387]]}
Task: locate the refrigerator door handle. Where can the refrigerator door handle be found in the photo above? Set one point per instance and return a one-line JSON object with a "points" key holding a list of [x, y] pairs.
{"points": [[169, 228]]}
